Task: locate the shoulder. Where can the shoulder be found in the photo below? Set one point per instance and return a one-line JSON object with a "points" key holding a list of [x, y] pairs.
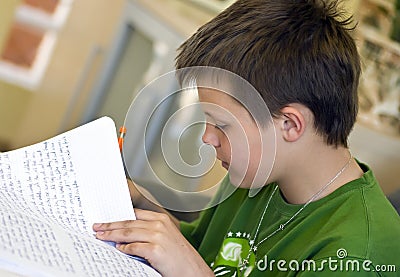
{"points": [[361, 222]]}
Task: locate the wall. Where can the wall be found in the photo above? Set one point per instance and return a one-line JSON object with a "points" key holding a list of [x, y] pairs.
{"points": [[6, 17], [30, 116], [13, 100], [375, 139]]}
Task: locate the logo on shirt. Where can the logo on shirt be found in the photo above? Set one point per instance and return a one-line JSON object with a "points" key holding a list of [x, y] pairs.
{"points": [[234, 251]]}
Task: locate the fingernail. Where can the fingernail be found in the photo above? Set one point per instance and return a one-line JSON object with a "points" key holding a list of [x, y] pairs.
{"points": [[100, 233], [96, 225]]}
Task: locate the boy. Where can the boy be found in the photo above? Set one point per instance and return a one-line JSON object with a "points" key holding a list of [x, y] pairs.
{"points": [[318, 212]]}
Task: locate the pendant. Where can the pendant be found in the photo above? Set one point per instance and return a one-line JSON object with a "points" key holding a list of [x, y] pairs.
{"points": [[243, 264]]}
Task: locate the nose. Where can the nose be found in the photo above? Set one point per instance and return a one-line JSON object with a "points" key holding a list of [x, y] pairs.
{"points": [[210, 135]]}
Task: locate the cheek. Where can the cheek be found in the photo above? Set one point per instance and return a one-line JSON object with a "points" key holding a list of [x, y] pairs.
{"points": [[241, 157], [252, 157], [238, 143]]}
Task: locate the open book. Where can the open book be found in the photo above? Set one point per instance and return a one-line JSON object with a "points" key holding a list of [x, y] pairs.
{"points": [[50, 195]]}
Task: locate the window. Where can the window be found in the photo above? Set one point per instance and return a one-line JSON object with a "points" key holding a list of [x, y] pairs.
{"points": [[31, 40]]}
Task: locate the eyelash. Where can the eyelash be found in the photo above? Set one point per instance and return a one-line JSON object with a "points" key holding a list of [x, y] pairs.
{"points": [[220, 127]]}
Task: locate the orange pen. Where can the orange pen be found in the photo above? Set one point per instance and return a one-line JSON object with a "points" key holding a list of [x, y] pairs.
{"points": [[122, 132]]}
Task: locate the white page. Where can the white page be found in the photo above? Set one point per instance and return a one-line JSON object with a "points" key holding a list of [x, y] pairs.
{"points": [[68, 182], [76, 178], [33, 247]]}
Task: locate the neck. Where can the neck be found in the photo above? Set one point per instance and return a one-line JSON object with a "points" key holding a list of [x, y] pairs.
{"points": [[326, 167]]}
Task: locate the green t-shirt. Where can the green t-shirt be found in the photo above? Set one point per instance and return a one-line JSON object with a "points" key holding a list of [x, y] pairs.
{"points": [[353, 231]]}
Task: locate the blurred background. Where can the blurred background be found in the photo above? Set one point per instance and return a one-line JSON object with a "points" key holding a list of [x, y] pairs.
{"points": [[66, 62]]}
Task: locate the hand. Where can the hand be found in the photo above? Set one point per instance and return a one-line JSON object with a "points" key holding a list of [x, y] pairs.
{"points": [[155, 237]]}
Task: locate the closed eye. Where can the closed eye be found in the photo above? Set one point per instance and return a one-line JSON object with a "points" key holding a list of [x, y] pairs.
{"points": [[220, 126]]}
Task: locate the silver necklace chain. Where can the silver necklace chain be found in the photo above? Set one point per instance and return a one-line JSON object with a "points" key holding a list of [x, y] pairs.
{"points": [[253, 248]]}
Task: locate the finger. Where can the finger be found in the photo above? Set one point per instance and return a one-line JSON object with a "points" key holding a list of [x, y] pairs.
{"points": [[149, 251], [140, 214], [113, 225], [129, 224], [130, 235], [147, 215]]}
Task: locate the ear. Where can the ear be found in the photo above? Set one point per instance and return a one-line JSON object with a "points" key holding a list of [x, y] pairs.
{"points": [[292, 122]]}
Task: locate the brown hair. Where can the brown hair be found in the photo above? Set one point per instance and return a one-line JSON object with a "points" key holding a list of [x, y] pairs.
{"points": [[291, 51]]}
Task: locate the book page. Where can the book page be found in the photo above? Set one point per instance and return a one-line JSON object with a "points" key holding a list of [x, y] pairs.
{"points": [[76, 178], [50, 195], [33, 247]]}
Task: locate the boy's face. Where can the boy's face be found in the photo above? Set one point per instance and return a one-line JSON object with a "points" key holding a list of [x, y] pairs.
{"points": [[237, 139]]}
